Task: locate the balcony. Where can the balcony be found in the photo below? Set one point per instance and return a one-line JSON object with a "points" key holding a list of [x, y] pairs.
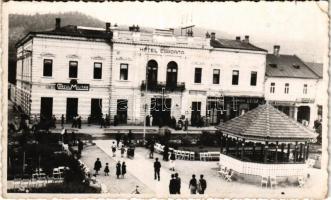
{"points": [[158, 86]]}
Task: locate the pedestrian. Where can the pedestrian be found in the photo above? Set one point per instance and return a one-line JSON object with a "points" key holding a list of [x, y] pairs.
{"points": [[113, 149], [79, 121], [106, 170], [157, 167], [80, 146], [122, 151], [172, 185], [118, 138], [123, 169], [202, 185], [172, 160], [107, 122], [151, 148], [73, 125], [53, 121], [186, 124], [147, 120], [118, 169], [73, 138], [65, 137], [62, 120], [178, 183], [193, 185], [166, 153], [151, 120], [97, 166]]}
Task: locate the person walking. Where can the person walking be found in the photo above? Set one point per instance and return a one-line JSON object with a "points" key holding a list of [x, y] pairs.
{"points": [[172, 185], [172, 160], [202, 185], [113, 149], [157, 167], [123, 169], [62, 121], [118, 169], [80, 146], [97, 166], [79, 122], [178, 183], [151, 120], [193, 185], [73, 138], [106, 170], [122, 150], [151, 152], [166, 153]]}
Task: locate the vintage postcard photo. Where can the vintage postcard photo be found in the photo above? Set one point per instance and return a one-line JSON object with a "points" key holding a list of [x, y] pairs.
{"points": [[165, 100]]}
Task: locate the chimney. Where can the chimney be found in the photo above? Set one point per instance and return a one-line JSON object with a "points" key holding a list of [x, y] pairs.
{"points": [[107, 27], [276, 50], [246, 40], [57, 23], [212, 36], [238, 38]]}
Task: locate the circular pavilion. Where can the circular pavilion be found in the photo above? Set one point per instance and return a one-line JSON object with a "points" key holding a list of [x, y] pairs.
{"points": [[265, 142]]}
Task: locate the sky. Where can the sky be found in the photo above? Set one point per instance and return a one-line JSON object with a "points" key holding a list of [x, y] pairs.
{"points": [[294, 24]]}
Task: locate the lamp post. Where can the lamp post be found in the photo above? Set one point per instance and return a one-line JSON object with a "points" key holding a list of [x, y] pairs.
{"points": [[145, 103]]}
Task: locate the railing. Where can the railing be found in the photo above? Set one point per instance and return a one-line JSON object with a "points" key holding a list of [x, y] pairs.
{"points": [[260, 169], [159, 86]]}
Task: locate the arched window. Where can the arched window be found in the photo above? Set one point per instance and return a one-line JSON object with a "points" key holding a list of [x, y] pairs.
{"points": [[152, 73], [172, 69]]}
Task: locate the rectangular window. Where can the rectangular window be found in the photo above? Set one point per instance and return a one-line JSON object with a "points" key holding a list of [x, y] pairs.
{"points": [[253, 78], [216, 76], [287, 88], [124, 68], [97, 70], [48, 67], [235, 77], [272, 87], [197, 75], [73, 69], [305, 88]]}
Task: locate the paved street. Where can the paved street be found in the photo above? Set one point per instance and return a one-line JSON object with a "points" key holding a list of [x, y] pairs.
{"points": [[140, 172]]}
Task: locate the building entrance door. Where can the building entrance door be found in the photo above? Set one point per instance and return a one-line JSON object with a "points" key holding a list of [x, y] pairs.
{"points": [[46, 108], [96, 110], [72, 108], [122, 111], [161, 111], [303, 114], [196, 113]]}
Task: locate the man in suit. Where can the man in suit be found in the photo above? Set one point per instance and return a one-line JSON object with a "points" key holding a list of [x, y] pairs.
{"points": [[172, 185], [157, 167]]}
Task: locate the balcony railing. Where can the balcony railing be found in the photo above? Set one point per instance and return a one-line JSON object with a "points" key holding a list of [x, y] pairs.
{"points": [[158, 86]]}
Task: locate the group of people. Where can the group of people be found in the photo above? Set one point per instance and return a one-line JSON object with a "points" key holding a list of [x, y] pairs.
{"points": [[120, 168], [175, 184], [76, 121], [197, 186]]}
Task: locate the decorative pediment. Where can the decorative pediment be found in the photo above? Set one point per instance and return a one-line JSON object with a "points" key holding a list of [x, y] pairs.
{"points": [[97, 58], [72, 56], [46, 54]]}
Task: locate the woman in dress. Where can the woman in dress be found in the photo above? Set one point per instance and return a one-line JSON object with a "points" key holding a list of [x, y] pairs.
{"points": [[123, 169], [106, 170], [118, 169]]}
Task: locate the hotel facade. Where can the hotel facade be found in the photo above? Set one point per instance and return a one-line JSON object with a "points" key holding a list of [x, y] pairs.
{"points": [[129, 74]]}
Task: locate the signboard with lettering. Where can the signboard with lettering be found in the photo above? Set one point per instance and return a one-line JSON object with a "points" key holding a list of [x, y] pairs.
{"points": [[72, 86], [162, 50]]}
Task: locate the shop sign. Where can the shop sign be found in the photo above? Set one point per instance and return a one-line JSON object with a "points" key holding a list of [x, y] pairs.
{"points": [[305, 100], [282, 103], [72, 86]]}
